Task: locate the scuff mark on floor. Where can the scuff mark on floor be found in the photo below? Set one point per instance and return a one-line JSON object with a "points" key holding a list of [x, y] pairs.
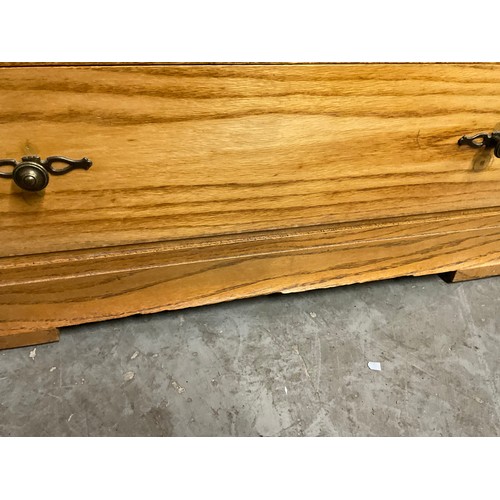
{"points": [[177, 387]]}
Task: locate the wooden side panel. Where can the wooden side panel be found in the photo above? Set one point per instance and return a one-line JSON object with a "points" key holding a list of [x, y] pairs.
{"points": [[185, 151]]}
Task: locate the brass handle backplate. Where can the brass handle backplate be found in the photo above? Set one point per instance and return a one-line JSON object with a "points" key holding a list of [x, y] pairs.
{"points": [[32, 173], [488, 141]]}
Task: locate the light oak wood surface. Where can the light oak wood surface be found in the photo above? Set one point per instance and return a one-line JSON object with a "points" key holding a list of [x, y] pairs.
{"points": [[473, 273], [203, 150], [217, 182], [11, 339], [63, 289]]}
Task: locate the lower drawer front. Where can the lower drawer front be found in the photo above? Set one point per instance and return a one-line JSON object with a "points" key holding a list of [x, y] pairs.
{"points": [[184, 151], [53, 290]]}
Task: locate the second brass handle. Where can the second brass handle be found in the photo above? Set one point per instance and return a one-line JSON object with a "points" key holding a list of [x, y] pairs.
{"points": [[32, 173], [482, 140]]}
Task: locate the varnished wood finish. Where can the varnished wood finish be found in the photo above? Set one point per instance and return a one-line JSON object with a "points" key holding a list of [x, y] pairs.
{"points": [[473, 273], [58, 290], [188, 151], [11, 339], [217, 182]]}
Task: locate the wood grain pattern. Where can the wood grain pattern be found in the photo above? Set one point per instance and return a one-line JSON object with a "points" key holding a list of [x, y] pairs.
{"points": [[217, 182], [45, 267], [184, 151], [12, 339], [473, 273], [63, 289]]}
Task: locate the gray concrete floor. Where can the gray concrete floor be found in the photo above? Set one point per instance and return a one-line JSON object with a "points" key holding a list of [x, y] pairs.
{"points": [[281, 365]]}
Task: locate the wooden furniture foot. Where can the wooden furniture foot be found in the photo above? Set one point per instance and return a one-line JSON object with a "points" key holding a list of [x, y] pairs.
{"points": [[471, 273], [35, 337]]}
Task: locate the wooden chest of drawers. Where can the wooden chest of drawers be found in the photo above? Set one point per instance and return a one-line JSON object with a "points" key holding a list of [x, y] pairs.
{"points": [[215, 182]]}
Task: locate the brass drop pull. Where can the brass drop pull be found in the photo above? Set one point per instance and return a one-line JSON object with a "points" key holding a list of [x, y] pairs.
{"points": [[32, 173], [481, 140]]}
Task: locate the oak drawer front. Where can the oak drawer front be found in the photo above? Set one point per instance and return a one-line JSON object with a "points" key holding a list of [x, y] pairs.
{"points": [[184, 151]]}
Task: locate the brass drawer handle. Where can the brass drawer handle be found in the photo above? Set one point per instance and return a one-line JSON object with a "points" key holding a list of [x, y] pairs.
{"points": [[482, 140], [32, 173]]}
